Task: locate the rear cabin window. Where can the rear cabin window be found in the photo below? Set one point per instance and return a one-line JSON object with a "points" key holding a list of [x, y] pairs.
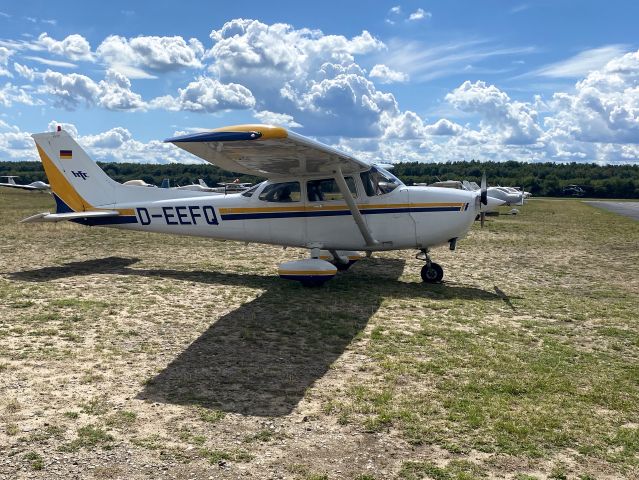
{"points": [[281, 192], [326, 189]]}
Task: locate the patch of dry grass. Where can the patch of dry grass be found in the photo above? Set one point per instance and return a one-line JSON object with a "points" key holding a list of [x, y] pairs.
{"points": [[141, 353]]}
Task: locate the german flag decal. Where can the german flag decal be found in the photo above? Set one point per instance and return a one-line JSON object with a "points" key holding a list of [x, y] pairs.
{"points": [[66, 154]]}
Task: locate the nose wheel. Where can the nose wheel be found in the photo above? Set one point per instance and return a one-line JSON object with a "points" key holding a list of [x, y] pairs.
{"points": [[431, 272]]}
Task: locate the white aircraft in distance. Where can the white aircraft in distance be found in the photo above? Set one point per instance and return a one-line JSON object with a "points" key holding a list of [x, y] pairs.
{"points": [[235, 186], [510, 195], [201, 186], [315, 197], [37, 185], [139, 183]]}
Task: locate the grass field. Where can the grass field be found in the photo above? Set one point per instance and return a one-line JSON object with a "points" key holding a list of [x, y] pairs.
{"points": [[128, 355]]}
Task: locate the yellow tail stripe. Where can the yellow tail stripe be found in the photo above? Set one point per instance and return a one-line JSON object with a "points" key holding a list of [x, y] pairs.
{"points": [[63, 189], [61, 186]]}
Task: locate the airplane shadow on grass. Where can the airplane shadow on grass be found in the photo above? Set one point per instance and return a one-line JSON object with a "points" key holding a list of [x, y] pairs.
{"points": [[261, 358]]}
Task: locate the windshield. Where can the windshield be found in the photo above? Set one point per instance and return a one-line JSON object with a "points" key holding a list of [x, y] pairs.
{"points": [[251, 191], [378, 181]]}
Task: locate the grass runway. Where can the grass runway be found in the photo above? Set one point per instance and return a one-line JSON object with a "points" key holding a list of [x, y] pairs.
{"points": [[133, 355]]}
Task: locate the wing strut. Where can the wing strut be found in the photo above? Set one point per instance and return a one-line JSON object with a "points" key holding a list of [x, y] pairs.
{"points": [[350, 201]]}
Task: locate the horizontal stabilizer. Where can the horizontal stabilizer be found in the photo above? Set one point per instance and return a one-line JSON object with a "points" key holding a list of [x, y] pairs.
{"points": [[59, 217]]}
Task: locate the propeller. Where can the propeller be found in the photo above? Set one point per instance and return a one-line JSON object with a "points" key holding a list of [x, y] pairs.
{"points": [[483, 198]]}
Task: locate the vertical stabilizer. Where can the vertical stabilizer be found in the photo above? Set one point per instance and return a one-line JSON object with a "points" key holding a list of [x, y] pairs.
{"points": [[77, 182]]}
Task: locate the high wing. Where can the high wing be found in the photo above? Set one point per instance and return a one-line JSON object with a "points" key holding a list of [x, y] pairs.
{"points": [[267, 151]]}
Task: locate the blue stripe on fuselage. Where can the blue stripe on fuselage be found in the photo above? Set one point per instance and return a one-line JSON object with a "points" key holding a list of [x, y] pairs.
{"points": [[100, 222], [333, 213]]}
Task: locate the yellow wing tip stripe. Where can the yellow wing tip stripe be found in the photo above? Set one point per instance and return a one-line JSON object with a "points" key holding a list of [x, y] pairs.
{"points": [[269, 132]]}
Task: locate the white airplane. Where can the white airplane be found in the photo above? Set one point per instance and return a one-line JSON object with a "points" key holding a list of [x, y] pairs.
{"points": [[37, 185], [235, 186], [201, 186], [316, 197], [510, 195], [139, 183]]}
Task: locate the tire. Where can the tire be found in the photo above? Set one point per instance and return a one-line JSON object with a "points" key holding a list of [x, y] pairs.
{"points": [[432, 273]]}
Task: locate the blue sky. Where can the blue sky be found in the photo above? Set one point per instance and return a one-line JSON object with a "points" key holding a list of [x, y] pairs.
{"points": [[386, 81]]}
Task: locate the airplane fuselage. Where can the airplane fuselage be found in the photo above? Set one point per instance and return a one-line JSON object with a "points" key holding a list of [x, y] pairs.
{"points": [[407, 217]]}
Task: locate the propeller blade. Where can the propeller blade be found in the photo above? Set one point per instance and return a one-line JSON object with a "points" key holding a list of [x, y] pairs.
{"points": [[484, 189], [482, 218]]}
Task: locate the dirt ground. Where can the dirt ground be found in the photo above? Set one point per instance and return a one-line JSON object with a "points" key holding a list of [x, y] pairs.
{"points": [[130, 356]]}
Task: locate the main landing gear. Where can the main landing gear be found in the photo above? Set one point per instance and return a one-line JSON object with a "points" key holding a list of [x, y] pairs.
{"points": [[431, 272]]}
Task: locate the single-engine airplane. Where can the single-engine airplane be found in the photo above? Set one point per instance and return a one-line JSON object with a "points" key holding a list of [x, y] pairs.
{"points": [[11, 183], [315, 197]]}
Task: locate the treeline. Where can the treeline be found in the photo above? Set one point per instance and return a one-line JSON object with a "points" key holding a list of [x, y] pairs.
{"points": [[541, 179]]}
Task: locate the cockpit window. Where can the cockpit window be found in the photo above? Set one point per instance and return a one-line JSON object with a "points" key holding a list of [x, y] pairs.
{"points": [[251, 191], [326, 189], [281, 192], [378, 181]]}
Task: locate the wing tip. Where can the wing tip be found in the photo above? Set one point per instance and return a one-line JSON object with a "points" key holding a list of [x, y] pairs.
{"points": [[233, 133]]}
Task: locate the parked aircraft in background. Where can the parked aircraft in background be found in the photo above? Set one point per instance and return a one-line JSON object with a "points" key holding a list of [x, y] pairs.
{"points": [[235, 186], [11, 183], [315, 197], [139, 183], [574, 191], [201, 186]]}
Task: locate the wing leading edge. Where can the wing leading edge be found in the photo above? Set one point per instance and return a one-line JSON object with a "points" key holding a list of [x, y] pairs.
{"points": [[267, 150]]}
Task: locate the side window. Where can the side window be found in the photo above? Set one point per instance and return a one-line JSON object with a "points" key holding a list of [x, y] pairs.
{"points": [[378, 182], [326, 189], [281, 192]]}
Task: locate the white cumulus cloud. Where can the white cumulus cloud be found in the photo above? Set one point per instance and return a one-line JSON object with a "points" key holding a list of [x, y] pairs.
{"points": [[385, 74], [273, 118], [74, 47], [72, 90], [5, 53], [419, 14], [444, 126], [131, 56], [208, 95], [515, 122]]}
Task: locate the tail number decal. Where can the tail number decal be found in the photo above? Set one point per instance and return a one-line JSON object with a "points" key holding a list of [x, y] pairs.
{"points": [[182, 215]]}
